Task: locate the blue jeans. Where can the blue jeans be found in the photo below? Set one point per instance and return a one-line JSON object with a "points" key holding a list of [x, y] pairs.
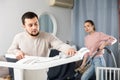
{"points": [[96, 62]]}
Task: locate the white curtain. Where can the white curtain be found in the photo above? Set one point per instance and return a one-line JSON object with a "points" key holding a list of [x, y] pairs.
{"points": [[104, 13]]}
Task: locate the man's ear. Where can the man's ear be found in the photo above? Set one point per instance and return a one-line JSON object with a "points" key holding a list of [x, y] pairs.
{"points": [[23, 26]]}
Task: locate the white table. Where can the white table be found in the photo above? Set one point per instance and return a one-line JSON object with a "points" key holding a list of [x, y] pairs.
{"points": [[37, 63]]}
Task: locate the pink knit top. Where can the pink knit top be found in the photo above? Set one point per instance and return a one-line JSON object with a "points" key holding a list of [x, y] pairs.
{"points": [[93, 41]]}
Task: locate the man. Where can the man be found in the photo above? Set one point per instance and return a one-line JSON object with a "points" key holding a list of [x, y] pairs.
{"points": [[33, 42]]}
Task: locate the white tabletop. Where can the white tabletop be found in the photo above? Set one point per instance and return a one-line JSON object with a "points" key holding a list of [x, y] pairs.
{"points": [[33, 62]]}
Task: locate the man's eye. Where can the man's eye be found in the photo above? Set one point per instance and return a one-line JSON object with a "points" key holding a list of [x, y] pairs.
{"points": [[36, 24], [30, 25]]}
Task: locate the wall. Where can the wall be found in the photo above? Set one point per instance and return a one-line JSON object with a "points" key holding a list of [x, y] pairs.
{"points": [[10, 19]]}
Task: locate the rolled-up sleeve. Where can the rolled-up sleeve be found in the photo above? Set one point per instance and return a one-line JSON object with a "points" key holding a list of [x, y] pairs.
{"points": [[109, 39], [14, 48], [58, 44]]}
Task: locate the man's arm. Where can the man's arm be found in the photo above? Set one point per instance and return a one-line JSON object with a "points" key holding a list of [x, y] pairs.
{"points": [[61, 46], [14, 49]]}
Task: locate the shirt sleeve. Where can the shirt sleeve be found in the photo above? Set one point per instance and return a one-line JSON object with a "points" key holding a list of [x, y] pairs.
{"points": [[88, 53], [109, 39], [14, 48], [58, 44]]}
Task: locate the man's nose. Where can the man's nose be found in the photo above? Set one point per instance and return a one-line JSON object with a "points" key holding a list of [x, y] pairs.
{"points": [[34, 27]]}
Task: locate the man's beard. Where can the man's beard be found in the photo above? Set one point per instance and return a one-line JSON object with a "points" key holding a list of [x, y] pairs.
{"points": [[33, 34]]}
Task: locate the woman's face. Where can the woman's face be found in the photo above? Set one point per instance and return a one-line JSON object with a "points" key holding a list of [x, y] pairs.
{"points": [[88, 27]]}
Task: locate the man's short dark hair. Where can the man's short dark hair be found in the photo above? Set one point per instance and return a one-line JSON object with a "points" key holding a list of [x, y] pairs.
{"points": [[28, 15]]}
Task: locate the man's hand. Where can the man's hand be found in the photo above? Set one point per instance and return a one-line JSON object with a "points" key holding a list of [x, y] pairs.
{"points": [[20, 55], [71, 52]]}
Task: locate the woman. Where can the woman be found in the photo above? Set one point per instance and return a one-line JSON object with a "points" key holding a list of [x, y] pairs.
{"points": [[95, 41]]}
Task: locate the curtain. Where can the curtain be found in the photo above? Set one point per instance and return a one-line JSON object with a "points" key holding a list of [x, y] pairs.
{"points": [[104, 13]]}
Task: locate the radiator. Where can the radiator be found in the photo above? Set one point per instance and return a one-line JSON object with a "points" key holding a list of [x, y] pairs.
{"points": [[107, 73]]}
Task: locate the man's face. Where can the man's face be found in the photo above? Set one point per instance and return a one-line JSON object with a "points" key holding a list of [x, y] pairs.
{"points": [[32, 26]]}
